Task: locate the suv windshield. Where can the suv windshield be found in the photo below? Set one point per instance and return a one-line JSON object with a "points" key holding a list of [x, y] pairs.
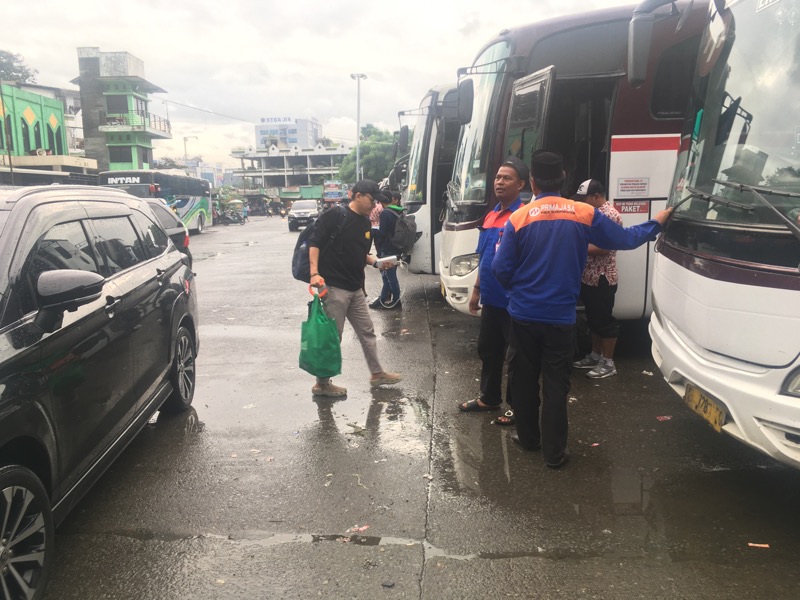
{"points": [[468, 190], [747, 82], [304, 205]]}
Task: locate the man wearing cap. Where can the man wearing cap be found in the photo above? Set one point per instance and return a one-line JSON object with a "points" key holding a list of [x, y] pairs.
{"points": [[389, 297], [489, 296], [345, 237], [539, 262], [598, 287]]}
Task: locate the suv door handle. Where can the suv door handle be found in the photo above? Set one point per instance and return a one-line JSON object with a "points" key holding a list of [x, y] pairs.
{"points": [[111, 305]]}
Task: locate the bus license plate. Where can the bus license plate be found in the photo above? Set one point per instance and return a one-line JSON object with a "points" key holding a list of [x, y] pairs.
{"points": [[705, 406]]}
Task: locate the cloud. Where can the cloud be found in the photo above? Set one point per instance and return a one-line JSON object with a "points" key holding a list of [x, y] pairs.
{"points": [[247, 59]]}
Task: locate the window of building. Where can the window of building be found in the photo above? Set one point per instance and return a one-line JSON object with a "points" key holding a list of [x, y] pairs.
{"points": [[26, 136], [59, 141], [120, 154], [37, 135], [117, 104], [9, 137]]}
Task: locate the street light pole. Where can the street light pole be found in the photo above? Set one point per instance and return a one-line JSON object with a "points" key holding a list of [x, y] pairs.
{"points": [[358, 77], [185, 151]]}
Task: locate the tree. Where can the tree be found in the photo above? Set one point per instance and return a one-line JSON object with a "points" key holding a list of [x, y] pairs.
{"points": [[168, 163], [12, 68], [377, 149]]}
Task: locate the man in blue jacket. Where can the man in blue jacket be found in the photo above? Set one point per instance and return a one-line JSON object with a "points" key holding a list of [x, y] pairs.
{"points": [[539, 262], [490, 298]]}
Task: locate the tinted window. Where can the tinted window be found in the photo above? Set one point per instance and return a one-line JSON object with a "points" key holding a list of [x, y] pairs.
{"points": [[673, 82], [153, 237], [64, 246], [118, 244]]}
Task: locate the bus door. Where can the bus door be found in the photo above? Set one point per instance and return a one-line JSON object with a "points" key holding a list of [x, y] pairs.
{"points": [[527, 115]]}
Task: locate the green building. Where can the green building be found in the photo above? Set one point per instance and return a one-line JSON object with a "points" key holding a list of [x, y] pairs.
{"points": [[118, 126], [32, 125]]}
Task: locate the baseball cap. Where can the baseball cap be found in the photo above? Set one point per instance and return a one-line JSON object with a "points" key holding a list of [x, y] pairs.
{"points": [[519, 166], [546, 166], [367, 186], [590, 187]]}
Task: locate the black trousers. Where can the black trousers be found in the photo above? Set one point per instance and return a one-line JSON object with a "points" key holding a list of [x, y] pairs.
{"points": [[493, 345], [542, 349]]}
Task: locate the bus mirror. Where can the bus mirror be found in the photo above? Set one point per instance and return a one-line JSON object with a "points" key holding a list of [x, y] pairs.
{"points": [[466, 96], [403, 139], [640, 33]]}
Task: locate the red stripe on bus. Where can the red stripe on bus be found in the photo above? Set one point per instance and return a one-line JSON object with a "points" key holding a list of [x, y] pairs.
{"points": [[641, 144]]}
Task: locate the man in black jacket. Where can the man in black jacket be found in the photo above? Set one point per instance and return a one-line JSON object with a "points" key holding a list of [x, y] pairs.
{"points": [[338, 250], [390, 294]]}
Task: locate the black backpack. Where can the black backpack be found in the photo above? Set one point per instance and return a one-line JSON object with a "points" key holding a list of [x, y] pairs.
{"points": [[301, 268], [405, 233]]}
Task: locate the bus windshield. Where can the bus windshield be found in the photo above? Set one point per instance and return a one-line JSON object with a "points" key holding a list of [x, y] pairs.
{"points": [[468, 189], [413, 192], [747, 82]]}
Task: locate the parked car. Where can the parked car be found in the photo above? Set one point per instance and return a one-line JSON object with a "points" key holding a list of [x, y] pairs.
{"points": [[303, 212], [98, 331], [172, 225]]}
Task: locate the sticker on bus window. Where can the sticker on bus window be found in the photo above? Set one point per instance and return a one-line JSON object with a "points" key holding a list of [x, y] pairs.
{"points": [[632, 207], [633, 187]]}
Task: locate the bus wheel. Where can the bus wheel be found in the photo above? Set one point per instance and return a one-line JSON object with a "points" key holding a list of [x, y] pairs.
{"points": [[201, 224]]}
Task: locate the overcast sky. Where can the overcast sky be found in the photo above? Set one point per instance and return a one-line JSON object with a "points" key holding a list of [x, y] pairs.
{"points": [[248, 59]]}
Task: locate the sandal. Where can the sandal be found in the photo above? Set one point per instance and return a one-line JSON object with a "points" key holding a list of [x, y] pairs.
{"points": [[473, 406], [506, 419]]}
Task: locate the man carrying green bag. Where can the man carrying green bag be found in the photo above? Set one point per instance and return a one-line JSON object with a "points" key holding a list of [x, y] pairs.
{"points": [[337, 253], [320, 351]]}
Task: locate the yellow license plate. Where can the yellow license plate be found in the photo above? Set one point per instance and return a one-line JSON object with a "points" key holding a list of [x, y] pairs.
{"points": [[705, 406]]}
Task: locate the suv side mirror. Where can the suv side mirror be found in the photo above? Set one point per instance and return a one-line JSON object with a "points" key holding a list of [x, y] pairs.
{"points": [[64, 289]]}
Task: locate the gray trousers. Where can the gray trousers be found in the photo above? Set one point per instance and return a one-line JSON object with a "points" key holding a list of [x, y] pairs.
{"points": [[340, 304]]}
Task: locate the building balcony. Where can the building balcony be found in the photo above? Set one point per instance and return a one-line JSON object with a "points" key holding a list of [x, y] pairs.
{"points": [[136, 121]]}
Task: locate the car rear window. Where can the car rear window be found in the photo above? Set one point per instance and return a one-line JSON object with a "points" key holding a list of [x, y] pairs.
{"points": [[165, 216]]}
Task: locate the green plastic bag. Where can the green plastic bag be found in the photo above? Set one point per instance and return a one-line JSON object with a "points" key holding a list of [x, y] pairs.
{"points": [[320, 352]]}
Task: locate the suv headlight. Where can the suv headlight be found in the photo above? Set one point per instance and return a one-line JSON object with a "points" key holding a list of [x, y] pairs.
{"points": [[791, 386], [464, 264]]}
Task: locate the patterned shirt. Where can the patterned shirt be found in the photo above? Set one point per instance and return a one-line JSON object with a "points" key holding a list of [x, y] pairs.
{"points": [[375, 215], [605, 264]]}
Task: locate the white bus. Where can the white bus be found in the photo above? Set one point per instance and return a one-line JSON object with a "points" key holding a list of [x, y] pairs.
{"points": [[428, 170], [563, 84], [726, 285]]}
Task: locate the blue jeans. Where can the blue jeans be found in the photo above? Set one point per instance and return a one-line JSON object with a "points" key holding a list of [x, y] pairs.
{"points": [[391, 286]]}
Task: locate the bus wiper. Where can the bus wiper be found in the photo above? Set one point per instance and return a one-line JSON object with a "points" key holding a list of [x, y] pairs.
{"points": [[757, 193], [711, 198]]}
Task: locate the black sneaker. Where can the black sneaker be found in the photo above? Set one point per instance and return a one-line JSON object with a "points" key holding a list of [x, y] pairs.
{"points": [[559, 463], [376, 303], [393, 305]]}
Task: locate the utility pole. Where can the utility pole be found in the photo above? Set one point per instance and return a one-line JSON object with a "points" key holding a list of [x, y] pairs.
{"points": [[185, 151], [358, 77]]}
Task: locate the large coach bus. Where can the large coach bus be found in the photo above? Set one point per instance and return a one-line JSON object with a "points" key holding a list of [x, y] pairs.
{"points": [[562, 84], [726, 282], [190, 197], [429, 169]]}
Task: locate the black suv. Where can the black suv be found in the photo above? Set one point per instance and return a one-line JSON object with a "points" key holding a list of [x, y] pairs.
{"points": [[98, 330], [173, 226]]}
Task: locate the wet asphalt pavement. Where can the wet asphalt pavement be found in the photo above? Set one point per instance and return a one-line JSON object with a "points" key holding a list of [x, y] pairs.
{"points": [[261, 491]]}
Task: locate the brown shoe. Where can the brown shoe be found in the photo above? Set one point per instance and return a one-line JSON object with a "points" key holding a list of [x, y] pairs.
{"points": [[385, 379], [328, 389]]}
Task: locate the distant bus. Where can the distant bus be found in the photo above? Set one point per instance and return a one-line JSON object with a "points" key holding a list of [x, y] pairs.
{"points": [[429, 169], [726, 282], [563, 84], [190, 197]]}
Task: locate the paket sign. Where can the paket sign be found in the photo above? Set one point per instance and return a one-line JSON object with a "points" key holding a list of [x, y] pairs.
{"points": [[632, 207]]}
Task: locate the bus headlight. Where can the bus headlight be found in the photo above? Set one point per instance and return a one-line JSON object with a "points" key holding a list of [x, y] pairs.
{"points": [[463, 265], [792, 384]]}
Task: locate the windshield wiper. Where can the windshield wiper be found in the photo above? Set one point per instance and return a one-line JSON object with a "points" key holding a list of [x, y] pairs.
{"points": [[712, 199], [757, 193]]}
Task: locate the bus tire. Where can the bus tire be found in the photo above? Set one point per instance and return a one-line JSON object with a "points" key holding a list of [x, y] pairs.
{"points": [[201, 224]]}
